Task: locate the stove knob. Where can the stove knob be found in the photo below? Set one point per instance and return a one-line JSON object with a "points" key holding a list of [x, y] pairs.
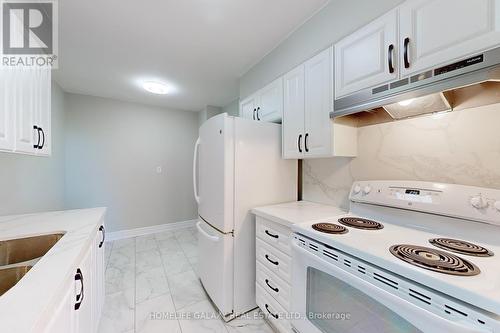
{"points": [[497, 205], [367, 189], [478, 202], [357, 189]]}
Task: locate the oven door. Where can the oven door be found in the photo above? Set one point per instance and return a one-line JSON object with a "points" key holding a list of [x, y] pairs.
{"points": [[327, 299]]}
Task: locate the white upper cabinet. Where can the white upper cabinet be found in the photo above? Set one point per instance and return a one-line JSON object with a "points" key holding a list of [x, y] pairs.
{"points": [[293, 116], [308, 131], [43, 112], [270, 106], [416, 36], [266, 104], [318, 104], [248, 107], [25, 113], [367, 57], [23, 108], [7, 131], [434, 32]]}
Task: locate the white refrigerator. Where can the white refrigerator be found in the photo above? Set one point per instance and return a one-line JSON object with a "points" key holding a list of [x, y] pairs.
{"points": [[237, 166]]}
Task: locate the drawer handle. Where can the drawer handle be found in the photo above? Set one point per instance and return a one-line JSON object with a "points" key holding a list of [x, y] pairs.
{"points": [[271, 235], [276, 290], [272, 262], [272, 314]]}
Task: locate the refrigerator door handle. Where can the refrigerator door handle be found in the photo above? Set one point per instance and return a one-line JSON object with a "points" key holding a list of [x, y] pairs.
{"points": [[205, 234], [195, 178]]}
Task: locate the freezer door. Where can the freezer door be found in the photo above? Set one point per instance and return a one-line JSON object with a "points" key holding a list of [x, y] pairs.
{"points": [[216, 172], [215, 266]]}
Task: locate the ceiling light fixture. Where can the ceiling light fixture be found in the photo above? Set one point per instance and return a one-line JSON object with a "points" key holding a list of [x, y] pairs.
{"points": [[155, 87], [407, 102]]}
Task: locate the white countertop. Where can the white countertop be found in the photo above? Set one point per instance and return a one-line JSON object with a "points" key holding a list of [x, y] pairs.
{"points": [[22, 306], [297, 212]]}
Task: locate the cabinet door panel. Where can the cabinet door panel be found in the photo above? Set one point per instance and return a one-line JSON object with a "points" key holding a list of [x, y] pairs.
{"points": [[293, 113], [62, 319], [248, 107], [24, 105], [318, 104], [270, 107], [42, 104], [7, 116], [362, 58], [99, 286], [85, 312], [441, 31]]}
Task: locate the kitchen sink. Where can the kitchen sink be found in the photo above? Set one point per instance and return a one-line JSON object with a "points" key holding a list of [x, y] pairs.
{"points": [[19, 250], [9, 277]]}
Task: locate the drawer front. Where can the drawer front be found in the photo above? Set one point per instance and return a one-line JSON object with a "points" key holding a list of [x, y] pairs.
{"points": [[276, 315], [274, 234], [275, 260], [276, 287]]}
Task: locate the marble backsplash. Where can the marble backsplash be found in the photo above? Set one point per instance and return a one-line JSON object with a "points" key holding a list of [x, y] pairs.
{"points": [[461, 147]]}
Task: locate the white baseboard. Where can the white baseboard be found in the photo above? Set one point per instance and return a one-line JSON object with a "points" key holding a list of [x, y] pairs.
{"points": [[111, 236]]}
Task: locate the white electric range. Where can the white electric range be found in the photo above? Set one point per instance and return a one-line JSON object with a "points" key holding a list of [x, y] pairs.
{"points": [[408, 257]]}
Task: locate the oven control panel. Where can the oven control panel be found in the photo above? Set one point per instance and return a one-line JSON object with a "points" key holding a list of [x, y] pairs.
{"points": [[414, 195], [461, 201]]}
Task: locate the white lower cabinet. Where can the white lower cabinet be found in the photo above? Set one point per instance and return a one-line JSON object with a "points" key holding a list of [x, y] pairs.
{"points": [[63, 317], [79, 306], [273, 272]]}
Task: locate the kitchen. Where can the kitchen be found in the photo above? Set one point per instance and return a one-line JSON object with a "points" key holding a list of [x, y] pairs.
{"points": [[341, 176]]}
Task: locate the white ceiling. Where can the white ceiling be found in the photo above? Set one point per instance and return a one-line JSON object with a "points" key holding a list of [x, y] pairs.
{"points": [[200, 47]]}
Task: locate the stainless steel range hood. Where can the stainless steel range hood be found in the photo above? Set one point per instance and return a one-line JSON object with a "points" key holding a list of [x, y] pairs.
{"points": [[466, 83]]}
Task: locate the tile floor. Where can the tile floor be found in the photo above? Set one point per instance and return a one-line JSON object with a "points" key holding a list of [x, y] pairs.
{"points": [[151, 286]]}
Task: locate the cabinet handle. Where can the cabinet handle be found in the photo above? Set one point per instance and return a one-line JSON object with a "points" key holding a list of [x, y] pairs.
{"points": [[258, 118], [305, 142], [101, 229], [299, 143], [40, 130], [276, 263], [389, 56], [272, 314], [38, 134], [406, 56], [271, 235], [272, 288], [79, 297], [254, 113]]}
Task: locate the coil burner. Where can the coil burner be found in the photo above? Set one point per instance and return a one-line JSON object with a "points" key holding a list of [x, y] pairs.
{"points": [[360, 223], [434, 260], [330, 228], [462, 247]]}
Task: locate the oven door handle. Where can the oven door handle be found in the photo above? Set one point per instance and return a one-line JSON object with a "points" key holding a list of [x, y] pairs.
{"points": [[422, 319]]}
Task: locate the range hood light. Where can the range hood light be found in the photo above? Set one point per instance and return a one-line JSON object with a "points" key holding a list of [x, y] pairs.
{"points": [[407, 102]]}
